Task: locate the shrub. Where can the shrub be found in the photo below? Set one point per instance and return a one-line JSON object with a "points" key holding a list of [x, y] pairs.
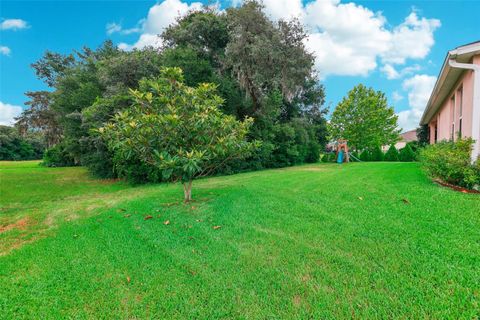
{"points": [[365, 155], [328, 157], [407, 154], [377, 154], [392, 154], [57, 156], [14, 146], [451, 163]]}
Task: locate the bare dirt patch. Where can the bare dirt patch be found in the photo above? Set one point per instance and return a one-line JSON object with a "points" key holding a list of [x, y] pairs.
{"points": [[20, 225]]}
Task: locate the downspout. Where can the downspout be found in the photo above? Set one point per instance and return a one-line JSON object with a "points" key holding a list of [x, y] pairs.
{"points": [[476, 103]]}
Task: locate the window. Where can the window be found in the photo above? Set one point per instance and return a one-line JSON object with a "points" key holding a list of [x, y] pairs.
{"points": [[460, 110]]}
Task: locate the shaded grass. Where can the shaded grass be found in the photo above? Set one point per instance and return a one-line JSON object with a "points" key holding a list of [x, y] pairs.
{"points": [[366, 240]]}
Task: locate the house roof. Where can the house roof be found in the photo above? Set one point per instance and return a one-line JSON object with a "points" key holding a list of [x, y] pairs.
{"points": [[448, 77], [409, 136]]}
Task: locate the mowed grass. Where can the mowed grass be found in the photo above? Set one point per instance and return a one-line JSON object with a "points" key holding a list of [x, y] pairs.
{"points": [[363, 240]]}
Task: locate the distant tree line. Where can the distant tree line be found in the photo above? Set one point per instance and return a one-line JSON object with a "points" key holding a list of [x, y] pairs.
{"points": [[260, 69], [16, 146]]}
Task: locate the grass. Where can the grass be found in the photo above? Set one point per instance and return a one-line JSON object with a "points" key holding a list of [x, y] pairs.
{"points": [[364, 240]]}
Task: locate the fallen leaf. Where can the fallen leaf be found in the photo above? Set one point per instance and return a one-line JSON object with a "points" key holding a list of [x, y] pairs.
{"points": [[167, 222], [216, 227], [193, 208], [360, 198], [147, 217], [128, 279]]}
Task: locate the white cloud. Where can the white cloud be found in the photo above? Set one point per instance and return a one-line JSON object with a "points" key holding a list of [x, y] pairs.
{"points": [[284, 9], [8, 112], [346, 38], [349, 39], [392, 73], [13, 24], [411, 39], [159, 17], [113, 27], [419, 88], [5, 50], [396, 96]]}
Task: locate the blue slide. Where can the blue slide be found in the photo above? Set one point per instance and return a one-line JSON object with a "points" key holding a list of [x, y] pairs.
{"points": [[340, 157]]}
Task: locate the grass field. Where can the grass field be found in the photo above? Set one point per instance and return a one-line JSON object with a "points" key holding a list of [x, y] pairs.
{"points": [[364, 240]]}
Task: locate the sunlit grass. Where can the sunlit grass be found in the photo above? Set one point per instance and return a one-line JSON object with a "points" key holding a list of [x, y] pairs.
{"points": [[367, 240]]}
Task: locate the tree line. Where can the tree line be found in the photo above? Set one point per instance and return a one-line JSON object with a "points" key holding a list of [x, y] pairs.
{"points": [[260, 69], [257, 71]]}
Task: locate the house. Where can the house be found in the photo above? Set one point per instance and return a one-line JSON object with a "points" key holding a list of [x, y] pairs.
{"points": [[453, 109], [405, 138]]}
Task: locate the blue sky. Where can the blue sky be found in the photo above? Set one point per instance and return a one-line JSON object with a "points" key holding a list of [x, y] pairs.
{"points": [[394, 46]]}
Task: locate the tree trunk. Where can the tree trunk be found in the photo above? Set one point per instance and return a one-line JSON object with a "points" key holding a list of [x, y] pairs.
{"points": [[187, 190]]}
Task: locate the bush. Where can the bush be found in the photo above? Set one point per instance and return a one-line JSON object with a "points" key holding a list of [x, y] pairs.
{"points": [[57, 156], [14, 146], [451, 163], [377, 154], [407, 154], [328, 157], [392, 154], [365, 155]]}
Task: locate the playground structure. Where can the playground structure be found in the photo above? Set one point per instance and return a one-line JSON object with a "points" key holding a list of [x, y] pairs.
{"points": [[342, 154]]}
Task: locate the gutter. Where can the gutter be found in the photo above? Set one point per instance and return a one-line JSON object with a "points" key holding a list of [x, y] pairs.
{"points": [[476, 103]]}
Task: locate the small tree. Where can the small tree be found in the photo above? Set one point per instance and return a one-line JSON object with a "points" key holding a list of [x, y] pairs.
{"points": [[377, 154], [392, 154], [365, 155], [423, 135], [407, 154], [177, 129]]}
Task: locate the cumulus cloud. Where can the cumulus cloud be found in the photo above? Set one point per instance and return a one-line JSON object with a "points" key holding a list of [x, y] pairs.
{"points": [[411, 39], [350, 39], [8, 112], [13, 24], [5, 50], [284, 9], [159, 17], [347, 38], [419, 88]]}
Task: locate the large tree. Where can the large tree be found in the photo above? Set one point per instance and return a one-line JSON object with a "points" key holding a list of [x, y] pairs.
{"points": [[177, 129], [365, 119], [40, 118], [265, 56]]}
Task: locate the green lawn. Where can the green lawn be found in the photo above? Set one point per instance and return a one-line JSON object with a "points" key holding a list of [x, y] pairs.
{"points": [[364, 240]]}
